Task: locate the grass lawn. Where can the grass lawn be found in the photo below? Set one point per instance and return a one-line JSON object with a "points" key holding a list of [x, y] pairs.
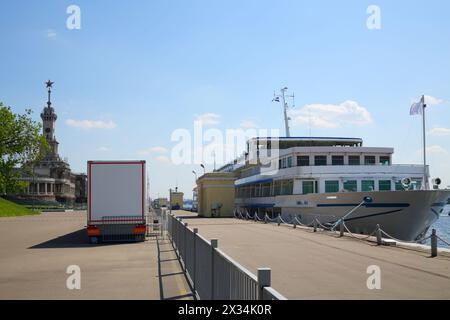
{"points": [[10, 209]]}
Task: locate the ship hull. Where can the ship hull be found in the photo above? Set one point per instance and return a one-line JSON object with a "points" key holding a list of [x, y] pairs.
{"points": [[405, 215]]}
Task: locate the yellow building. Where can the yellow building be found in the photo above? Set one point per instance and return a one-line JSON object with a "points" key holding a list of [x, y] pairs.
{"points": [[215, 194], [160, 202], [176, 200]]}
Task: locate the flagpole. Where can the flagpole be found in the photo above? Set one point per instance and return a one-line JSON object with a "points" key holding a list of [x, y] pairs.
{"points": [[425, 174]]}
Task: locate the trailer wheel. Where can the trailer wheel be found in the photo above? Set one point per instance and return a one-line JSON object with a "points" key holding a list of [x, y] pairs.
{"points": [[93, 240]]}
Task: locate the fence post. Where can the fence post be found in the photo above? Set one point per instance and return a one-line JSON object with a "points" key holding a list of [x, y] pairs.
{"points": [[379, 240], [341, 229], [214, 245], [434, 250], [195, 261], [263, 281], [315, 225], [185, 245], [279, 219]]}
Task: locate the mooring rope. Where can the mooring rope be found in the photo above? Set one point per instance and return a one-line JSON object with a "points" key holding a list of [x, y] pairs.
{"points": [[364, 239], [238, 214], [444, 241], [405, 241]]}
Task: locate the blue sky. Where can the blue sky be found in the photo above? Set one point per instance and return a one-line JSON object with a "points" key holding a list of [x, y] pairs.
{"points": [[138, 70]]}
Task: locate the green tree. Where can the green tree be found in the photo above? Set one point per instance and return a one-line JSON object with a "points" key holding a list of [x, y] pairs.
{"points": [[21, 145]]}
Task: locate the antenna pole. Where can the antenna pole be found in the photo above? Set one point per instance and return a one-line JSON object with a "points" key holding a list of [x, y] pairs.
{"points": [[286, 119], [425, 174], [285, 107]]}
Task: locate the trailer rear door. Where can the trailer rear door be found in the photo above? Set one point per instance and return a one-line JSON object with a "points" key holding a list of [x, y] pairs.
{"points": [[116, 189]]}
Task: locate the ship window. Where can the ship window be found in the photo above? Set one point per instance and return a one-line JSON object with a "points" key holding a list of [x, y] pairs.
{"points": [[332, 186], [266, 190], [308, 187], [399, 186], [289, 162], [337, 160], [277, 188], [257, 188], [303, 161], [320, 160], [369, 160], [416, 184], [287, 187], [384, 185], [368, 185], [350, 185], [354, 160], [252, 191], [385, 160]]}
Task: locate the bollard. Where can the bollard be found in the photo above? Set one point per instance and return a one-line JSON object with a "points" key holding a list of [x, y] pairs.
{"points": [[195, 261], [379, 240], [265, 218], [315, 225], [279, 219], [341, 229], [434, 250], [263, 281], [295, 223], [256, 216], [214, 245]]}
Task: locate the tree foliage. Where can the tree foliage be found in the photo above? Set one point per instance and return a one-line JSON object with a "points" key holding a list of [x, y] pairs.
{"points": [[21, 144]]}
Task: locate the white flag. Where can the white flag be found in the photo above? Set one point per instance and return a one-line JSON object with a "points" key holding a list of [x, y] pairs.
{"points": [[417, 107]]}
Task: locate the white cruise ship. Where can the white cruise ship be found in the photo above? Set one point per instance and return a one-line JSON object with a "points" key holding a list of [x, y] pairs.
{"points": [[325, 178]]}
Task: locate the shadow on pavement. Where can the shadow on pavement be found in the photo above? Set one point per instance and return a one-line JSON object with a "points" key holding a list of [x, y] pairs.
{"points": [[76, 239], [173, 284]]}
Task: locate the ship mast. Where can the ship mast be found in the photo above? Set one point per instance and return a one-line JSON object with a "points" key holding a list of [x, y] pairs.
{"points": [[283, 97]]}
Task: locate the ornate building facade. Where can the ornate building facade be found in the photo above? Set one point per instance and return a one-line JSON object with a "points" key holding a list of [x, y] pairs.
{"points": [[52, 178]]}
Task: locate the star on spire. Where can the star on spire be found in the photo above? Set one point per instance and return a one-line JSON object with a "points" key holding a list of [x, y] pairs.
{"points": [[49, 84]]}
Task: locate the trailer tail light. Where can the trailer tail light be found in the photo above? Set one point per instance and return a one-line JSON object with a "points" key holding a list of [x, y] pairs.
{"points": [[141, 229], [93, 231]]}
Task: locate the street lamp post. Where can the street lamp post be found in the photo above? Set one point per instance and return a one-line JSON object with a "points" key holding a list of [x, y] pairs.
{"points": [[170, 201], [204, 171]]}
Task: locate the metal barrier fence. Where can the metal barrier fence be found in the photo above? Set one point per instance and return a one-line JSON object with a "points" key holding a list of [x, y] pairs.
{"points": [[212, 274]]}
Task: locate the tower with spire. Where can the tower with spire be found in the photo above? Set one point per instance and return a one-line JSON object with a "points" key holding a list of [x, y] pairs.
{"points": [[49, 118]]}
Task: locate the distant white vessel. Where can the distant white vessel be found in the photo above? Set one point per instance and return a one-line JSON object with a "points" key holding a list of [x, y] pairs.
{"points": [[325, 178]]}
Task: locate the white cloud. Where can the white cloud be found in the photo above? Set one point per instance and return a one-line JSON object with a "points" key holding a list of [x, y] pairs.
{"points": [[439, 132], [331, 116], [435, 150], [247, 124], [208, 119], [91, 124], [162, 159], [159, 149], [429, 100], [51, 34], [146, 152], [103, 149]]}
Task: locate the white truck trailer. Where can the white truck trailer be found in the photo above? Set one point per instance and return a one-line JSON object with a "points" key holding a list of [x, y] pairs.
{"points": [[116, 201]]}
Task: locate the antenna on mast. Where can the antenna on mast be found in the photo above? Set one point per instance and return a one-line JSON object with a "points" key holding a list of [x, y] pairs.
{"points": [[283, 97]]}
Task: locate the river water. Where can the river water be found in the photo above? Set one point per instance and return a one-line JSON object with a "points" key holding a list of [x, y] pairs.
{"points": [[442, 226]]}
